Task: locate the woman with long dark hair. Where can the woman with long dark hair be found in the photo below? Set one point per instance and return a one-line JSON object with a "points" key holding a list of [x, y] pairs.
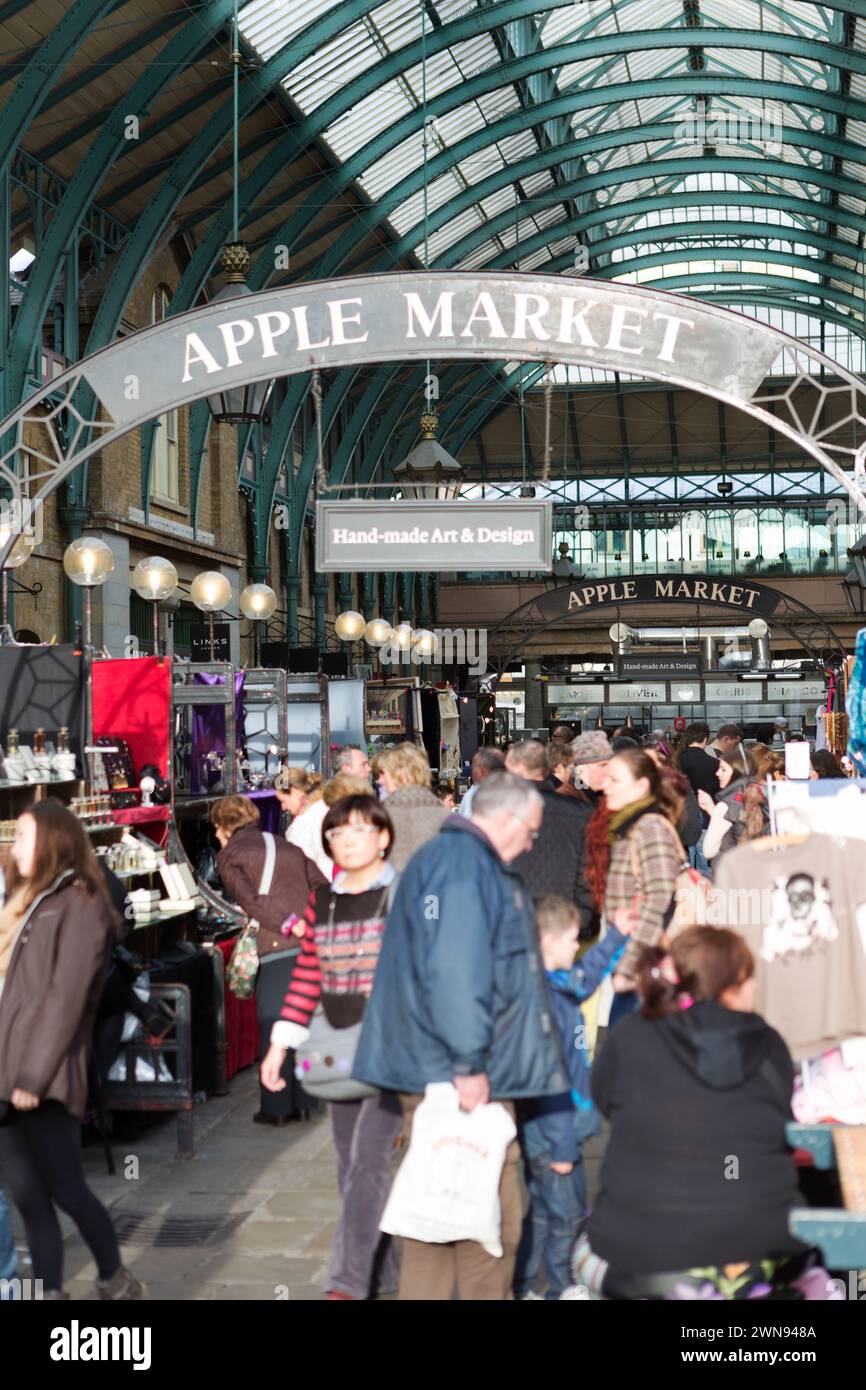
{"points": [[57, 929], [697, 1180], [740, 811], [645, 858]]}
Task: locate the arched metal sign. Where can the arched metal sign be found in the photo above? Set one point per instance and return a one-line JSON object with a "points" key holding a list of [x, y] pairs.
{"points": [[443, 315], [699, 591]]}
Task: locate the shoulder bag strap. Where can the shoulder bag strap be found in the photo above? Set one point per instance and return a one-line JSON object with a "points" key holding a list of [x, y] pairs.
{"points": [[270, 863]]}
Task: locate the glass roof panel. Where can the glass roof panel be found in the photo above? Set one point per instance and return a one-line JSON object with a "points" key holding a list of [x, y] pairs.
{"points": [[737, 127]]}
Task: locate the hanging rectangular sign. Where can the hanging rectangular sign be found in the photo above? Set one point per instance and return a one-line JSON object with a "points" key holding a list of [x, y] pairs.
{"points": [[575, 695], [199, 642], [443, 536], [796, 690], [417, 315], [651, 694], [719, 692], [662, 664]]}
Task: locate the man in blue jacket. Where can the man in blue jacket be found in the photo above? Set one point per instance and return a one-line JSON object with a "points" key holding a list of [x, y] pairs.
{"points": [[459, 995]]}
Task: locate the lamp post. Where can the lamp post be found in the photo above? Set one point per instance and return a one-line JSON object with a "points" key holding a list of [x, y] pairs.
{"points": [[18, 556], [237, 404], [155, 580], [257, 602], [88, 562], [210, 591]]}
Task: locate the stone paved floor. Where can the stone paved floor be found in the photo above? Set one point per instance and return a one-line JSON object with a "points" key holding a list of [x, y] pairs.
{"points": [[278, 1185]]}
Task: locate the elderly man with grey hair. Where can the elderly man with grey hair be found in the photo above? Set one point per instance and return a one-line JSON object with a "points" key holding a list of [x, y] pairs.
{"points": [[353, 760], [459, 996]]}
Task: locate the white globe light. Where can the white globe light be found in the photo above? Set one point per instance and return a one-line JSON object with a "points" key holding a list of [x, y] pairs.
{"points": [[88, 561], [258, 602], [424, 641], [758, 629], [402, 636], [210, 591], [21, 550], [377, 632], [350, 626], [154, 579]]}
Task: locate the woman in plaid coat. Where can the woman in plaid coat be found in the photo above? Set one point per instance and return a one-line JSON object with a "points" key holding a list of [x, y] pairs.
{"points": [[645, 854]]}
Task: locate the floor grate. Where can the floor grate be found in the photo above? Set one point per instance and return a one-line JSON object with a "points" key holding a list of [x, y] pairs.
{"points": [[157, 1229]]}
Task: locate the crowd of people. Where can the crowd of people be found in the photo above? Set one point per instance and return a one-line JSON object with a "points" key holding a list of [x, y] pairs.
{"points": [[463, 945]]}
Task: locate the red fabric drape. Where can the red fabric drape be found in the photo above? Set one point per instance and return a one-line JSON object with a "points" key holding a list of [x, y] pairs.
{"points": [[131, 701]]}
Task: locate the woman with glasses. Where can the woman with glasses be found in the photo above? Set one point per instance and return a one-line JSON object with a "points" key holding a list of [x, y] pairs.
{"points": [[340, 952]]}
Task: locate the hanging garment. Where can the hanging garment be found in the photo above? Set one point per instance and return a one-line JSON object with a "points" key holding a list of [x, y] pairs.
{"points": [[856, 707], [802, 910], [820, 730], [449, 735]]}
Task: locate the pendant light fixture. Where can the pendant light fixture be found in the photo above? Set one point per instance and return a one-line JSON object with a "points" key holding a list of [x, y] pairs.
{"points": [[235, 405]]}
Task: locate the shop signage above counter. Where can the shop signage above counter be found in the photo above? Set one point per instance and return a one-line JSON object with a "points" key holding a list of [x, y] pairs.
{"points": [[438, 536]]}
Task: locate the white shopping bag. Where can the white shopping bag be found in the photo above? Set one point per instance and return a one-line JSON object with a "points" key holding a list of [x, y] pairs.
{"points": [[447, 1187]]}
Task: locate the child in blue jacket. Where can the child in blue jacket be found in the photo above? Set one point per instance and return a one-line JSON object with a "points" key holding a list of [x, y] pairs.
{"points": [[553, 1128]]}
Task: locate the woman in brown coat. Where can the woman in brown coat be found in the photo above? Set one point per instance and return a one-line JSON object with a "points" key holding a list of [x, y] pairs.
{"points": [[287, 879], [57, 930]]}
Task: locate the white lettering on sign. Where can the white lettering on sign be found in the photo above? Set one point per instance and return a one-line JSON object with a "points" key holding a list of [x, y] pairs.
{"points": [[618, 326], [666, 351], [594, 325], [300, 313], [481, 535], [522, 316], [233, 341], [340, 321], [795, 690], [194, 345], [486, 310], [648, 694], [717, 692], [282, 324], [417, 313]]}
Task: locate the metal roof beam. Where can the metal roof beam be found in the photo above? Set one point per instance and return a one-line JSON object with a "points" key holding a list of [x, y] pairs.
{"points": [[48, 60], [141, 38], [110, 144]]}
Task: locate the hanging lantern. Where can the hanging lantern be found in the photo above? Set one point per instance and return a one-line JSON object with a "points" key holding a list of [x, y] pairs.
{"points": [[235, 405], [429, 473]]}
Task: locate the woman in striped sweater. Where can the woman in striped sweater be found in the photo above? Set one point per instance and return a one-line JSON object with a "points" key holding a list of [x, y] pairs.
{"points": [[345, 923]]}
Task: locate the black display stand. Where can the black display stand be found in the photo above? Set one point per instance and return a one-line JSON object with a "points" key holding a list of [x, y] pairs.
{"points": [[43, 688]]}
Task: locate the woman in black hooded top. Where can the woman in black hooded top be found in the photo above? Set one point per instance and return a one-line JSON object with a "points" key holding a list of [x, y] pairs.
{"points": [[697, 1181]]}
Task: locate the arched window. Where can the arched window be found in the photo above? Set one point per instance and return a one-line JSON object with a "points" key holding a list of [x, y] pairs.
{"points": [[165, 474]]}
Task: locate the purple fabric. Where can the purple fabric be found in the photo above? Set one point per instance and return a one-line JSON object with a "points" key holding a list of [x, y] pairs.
{"points": [[269, 809], [209, 730]]}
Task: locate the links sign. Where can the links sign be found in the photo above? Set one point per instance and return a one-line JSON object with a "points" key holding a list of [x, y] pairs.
{"points": [[400, 317]]}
